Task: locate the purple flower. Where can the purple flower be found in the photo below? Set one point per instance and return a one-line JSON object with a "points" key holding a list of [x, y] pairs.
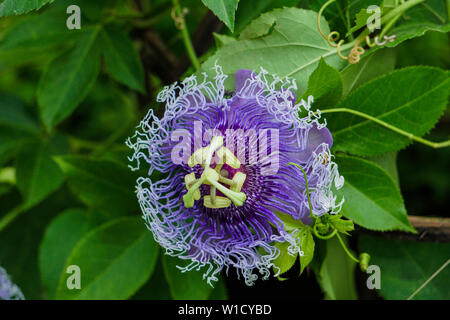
{"points": [[8, 290], [218, 173]]}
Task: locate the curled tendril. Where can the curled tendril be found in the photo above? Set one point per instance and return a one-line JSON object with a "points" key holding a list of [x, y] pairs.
{"points": [[357, 50], [355, 53], [178, 17], [322, 236]]}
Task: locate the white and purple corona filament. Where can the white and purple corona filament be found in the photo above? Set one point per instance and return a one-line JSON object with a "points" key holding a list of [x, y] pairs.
{"points": [[218, 171], [8, 290]]}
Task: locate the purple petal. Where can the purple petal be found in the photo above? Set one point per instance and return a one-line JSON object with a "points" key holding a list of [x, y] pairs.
{"points": [[315, 138], [241, 76]]}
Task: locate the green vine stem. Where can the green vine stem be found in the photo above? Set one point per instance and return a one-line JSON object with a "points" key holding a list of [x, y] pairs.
{"points": [[389, 25], [323, 237], [400, 10], [306, 185], [180, 23], [429, 279], [345, 248], [409, 135]]}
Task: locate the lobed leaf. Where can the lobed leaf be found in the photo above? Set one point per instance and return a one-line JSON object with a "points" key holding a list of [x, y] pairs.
{"points": [[285, 42], [411, 99], [121, 58], [406, 265], [372, 199], [101, 184], [115, 260], [68, 79], [325, 85], [37, 174], [61, 236], [337, 273]]}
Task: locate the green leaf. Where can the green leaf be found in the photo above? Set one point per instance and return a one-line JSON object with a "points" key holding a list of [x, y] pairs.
{"points": [[19, 241], [115, 260], [284, 261], [361, 20], [341, 225], [101, 184], [15, 118], [185, 286], [307, 245], [36, 35], [325, 84], [121, 58], [68, 79], [406, 265], [222, 39], [290, 223], [14, 7], [371, 66], [337, 273], [388, 162], [363, 15], [372, 199], [220, 291], [250, 9], [157, 287], [224, 10], [426, 16], [60, 238], [356, 6], [432, 49], [320, 252], [8, 175], [284, 42], [411, 99], [37, 173], [17, 126]]}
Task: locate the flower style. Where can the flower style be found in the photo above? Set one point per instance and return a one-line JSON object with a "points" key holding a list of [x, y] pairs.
{"points": [[218, 173], [8, 290]]}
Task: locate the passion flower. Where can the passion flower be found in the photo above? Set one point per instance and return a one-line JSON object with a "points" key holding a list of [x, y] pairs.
{"points": [[218, 174], [8, 290]]}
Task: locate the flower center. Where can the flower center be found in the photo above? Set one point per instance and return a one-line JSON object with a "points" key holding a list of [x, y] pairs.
{"points": [[216, 178]]}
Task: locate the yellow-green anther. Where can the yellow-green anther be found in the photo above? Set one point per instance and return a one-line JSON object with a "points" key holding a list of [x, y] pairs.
{"points": [[221, 202], [238, 198], [238, 181], [197, 157], [189, 179], [212, 194], [210, 174], [226, 181], [216, 143], [228, 157], [214, 177], [188, 198], [219, 167]]}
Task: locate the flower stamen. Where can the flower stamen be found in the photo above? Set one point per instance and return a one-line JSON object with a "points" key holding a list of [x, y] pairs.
{"points": [[215, 177]]}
